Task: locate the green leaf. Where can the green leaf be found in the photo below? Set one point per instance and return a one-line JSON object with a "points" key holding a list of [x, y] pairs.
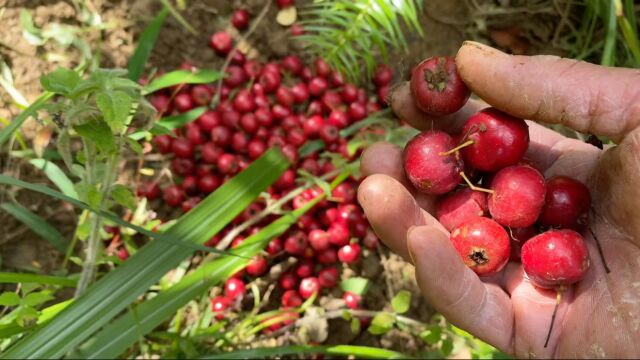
{"points": [[25, 315], [31, 110], [356, 285], [98, 132], [9, 299], [115, 107], [117, 289], [37, 298], [146, 43], [13, 278], [382, 323], [167, 124], [123, 196], [38, 225], [401, 302], [297, 351], [56, 175], [31, 33], [432, 335], [177, 77], [60, 81], [447, 346]]}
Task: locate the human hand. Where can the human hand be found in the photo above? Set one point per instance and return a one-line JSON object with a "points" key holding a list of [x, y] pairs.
{"points": [[599, 316]]}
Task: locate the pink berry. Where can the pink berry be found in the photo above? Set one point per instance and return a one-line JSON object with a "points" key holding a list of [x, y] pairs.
{"points": [[555, 258], [518, 196], [427, 165], [436, 86], [483, 245]]}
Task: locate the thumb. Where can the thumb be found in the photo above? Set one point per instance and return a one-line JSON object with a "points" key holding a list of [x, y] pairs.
{"points": [[456, 292], [582, 96]]}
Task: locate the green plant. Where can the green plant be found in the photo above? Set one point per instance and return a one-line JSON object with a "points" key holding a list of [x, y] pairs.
{"points": [[350, 34]]}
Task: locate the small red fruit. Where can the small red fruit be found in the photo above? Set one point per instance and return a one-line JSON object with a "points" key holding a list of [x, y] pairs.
{"points": [[555, 258], [339, 234], [352, 300], [221, 43], [210, 153], [296, 244], [436, 86], [190, 203], [455, 208], [182, 148], [288, 281], [208, 183], [383, 76], [209, 120], [305, 269], [349, 253], [518, 196], [183, 102], [163, 143], [227, 164], [240, 19], [257, 266], [274, 247], [234, 288], [328, 277], [291, 298], [566, 205], [427, 164], [183, 167], [518, 237], [173, 195], [319, 239], [483, 245], [218, 305], [308, 287], [317, 86], [327, 257]]}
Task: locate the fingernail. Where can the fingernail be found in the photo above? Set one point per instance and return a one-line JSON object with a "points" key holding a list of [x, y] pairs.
{"points": [[476, 46]]}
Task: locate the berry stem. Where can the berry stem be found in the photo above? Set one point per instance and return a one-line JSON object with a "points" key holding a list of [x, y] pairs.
{"points": [[553, 316], [600, 252], [463, 145], [473, 187]]}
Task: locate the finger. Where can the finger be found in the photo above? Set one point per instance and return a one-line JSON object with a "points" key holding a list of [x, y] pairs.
{"points": [[391, 211], [386, 158], [405, 108], [582, 96], [454, 290]]}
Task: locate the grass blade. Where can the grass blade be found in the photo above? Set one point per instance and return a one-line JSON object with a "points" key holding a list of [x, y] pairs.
{"points": [[14, 278], [172, 122], [56, 175], [362, 352], [46, 314], [177, 77], [119, 288], [179, 17], [38, 225], [610, 40], [145, 45], [7, 132]]}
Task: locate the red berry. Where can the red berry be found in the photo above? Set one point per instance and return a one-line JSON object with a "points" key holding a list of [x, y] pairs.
{"points": [[208, 183], [352, 300], [257, 266], [327, 257], [285, 3], [163, 143], [329, 134], [566, 205], [331, 100], [190, 185], [483, 245], [357, 111], [161, 102], [252, 68], [293, 64], [221, 43], [288, 281], [499, 140], [305, 269], [296, 29], [345, 193], [201, 94], [300, 93], [336, 79], [208, 120], [370, 240], [190, 203], [518, 237], [286, 180], [264, 117], [284, 96], [235, 76], [436, 86], [221, 135], [455, 208], [311, 166], [308, 287], [555, 258], [319, 239], [173, 195], [291, 299], [296, 244], [123, 253], [234, 288], [315, 108], [238, 58], [210, 153], [290, 152], [240, 19], [339, 234], [227, 164], [244, 102], [518, 196], [427, 166], [194, 135], [218, 305], [349, 253], [349, 93], [328, 277], [317, 86], [256, 148], [183, 102], [296, 137], [239, 142], [322, 68], [150, 190], [274, 247], [270, 80], [280, 112], [383, 76], [312, 126], [183, 167], [339, 119]]}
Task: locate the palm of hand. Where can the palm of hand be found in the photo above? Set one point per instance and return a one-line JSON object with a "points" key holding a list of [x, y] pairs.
{"points": [[600, 316]]}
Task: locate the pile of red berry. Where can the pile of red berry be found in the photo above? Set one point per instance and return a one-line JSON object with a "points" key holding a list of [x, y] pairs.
{"points": [[283, 103], [506, 210]]}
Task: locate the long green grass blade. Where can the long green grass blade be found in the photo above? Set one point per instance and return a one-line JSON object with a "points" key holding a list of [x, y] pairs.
{"points": [[359, 352], [7, 132], [610, 40], [177, 77], [119, 288], [145, 45], [38, 225], [122, 333], [14, 278], [56, 175]]}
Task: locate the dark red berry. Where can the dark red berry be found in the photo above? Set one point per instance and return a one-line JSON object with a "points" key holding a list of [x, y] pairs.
{"points": [[436, 86], [182, 166], [383, 76], [173, 195], [163, 143], [240, 19], [257, 266], [221, 43], [208, 120], [291, 298], [566, 205]]}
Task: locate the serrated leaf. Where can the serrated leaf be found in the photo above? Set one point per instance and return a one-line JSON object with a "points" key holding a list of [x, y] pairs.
{"points": [[382, 323], [37, 298], [356, 285], [123, 196], [60, 81], [401, 302], [115, 107], [9, 299], [98, 132]]}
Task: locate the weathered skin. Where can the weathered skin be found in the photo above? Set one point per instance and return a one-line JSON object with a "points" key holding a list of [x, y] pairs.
{"points": [[598, 317]]}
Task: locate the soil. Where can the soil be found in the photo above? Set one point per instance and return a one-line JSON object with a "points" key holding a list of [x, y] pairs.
{"points": [[516, 26]]}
